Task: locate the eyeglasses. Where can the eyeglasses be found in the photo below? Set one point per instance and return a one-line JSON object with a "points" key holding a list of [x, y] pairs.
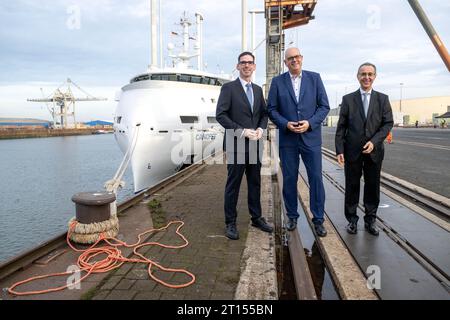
{"points": [[297, 57], [246, 62], [367, 74]]}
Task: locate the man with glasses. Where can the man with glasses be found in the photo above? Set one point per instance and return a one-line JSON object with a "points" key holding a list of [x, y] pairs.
{"points": [[364, 122], [298, 104], [241, 110]]}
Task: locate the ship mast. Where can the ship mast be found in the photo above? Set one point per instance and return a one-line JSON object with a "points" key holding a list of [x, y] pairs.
{"points": [[154, 39], [181, 60]]}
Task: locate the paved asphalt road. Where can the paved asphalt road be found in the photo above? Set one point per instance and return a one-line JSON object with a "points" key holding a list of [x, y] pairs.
{"points": [[420, 156]]}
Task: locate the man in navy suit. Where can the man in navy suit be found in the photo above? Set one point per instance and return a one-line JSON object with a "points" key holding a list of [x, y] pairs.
{"points": [[298, 105], [241, 110], [364, 122]]}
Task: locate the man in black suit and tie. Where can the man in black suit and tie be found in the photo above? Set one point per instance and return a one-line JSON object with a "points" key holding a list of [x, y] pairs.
{"points": [[364, 122], [241, 110]]}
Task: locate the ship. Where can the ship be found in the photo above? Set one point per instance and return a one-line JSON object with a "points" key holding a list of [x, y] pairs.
{"points": [[165, 117]]}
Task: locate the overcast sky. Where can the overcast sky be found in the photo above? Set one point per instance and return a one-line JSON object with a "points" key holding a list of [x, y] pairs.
{"points": [[101, 44]]}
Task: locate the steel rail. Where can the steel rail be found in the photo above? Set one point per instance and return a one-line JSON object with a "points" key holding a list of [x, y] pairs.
{"points": [[304, 284], [414, 252], [427, 202]]}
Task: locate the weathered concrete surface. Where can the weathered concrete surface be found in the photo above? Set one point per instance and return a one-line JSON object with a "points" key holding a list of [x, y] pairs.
{"points": [[215, 260], [348, 277], [258, 268]]}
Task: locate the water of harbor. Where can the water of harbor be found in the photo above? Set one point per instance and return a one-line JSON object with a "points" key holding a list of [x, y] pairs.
{"points": [[38, 178]]}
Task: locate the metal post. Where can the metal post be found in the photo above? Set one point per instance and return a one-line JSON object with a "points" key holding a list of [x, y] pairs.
{"points": [[253, 45], [199, 21], [252, 48], [437, 42], [401, 89], [154, 31], [161, 62], [244, 25]]}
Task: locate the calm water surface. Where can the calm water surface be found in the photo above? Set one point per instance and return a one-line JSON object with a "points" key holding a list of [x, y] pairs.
{"points": [[38, 178]]}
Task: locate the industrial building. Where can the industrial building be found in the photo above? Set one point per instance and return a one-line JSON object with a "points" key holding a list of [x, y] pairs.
{"points": [[423, 110], [99, 123], [24, 123], [426, 111]]}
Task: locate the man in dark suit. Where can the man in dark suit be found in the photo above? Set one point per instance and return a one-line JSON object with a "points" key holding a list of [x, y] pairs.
{"points": [[364, 122], [241, 110], [298, 105]]}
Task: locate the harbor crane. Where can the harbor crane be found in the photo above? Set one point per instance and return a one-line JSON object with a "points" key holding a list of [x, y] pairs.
{"points": [[61, 104], [282, 15]]}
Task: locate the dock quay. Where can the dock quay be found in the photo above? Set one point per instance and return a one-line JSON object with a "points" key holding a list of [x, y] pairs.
{"points": [[408, 261]]}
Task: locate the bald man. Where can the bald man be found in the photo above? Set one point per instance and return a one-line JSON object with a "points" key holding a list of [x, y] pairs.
{"points": [[298, 105]]}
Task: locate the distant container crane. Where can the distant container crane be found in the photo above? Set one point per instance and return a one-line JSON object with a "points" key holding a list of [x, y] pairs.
{"points": [[61, 104]]}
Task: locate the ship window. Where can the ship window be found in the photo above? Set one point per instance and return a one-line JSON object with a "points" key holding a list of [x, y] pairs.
{"points": [[189, 119], [185, 78], [196, 79], [180, 77], [140, 78], [212, 119], [119, 119]]}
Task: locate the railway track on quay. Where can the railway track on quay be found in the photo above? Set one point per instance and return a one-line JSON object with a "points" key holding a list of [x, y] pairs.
{"points": [[429, 202]]}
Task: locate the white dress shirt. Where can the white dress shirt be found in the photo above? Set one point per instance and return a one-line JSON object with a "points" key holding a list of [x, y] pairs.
{"points": [[296, 84]]}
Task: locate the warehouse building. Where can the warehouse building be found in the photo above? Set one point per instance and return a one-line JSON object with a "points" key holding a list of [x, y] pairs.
{"points": [[24, 123]]}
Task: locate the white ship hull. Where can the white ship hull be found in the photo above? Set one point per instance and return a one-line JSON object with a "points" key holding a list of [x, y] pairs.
{"points": [[177, 126]]}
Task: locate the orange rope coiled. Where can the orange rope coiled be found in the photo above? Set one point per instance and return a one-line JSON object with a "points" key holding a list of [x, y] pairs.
{"points": [[114, 259]]}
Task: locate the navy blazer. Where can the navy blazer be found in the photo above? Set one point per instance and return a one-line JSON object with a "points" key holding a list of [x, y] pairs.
{"points": [[313, 106], [234, 113], [354, 130]]}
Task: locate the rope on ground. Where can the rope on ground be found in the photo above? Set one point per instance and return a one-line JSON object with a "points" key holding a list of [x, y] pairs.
{"points": [[114, 259]]}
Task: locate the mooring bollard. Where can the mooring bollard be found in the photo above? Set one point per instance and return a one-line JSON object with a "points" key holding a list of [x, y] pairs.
{"points": [[93, 206]]}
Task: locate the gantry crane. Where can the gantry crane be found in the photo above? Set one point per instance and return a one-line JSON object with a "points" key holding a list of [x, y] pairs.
{"points": [[63, 104]]}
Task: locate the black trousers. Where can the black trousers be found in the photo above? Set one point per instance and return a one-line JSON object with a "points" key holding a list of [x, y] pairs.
{"points": [[353, 171], [234, 179]]}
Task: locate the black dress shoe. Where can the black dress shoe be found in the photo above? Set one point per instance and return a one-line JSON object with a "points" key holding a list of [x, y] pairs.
{"points": [[292, 224], [370, 227], [320, 230], [261, 224], [352, 228], [232, 232]]}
